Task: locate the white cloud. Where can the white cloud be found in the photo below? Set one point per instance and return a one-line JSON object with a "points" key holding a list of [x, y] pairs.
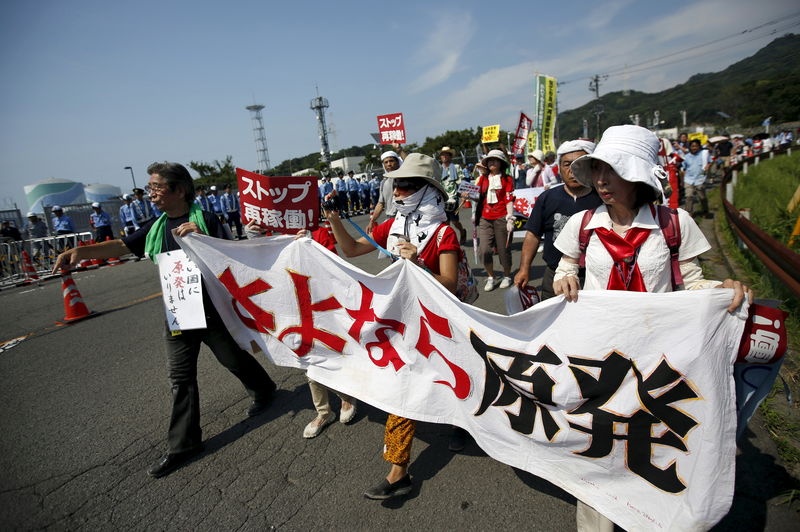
{"points": [[608, 52], [439, 55]]}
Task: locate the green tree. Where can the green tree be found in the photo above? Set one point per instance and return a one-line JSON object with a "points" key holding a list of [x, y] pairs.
{"points": [[217, 173]]}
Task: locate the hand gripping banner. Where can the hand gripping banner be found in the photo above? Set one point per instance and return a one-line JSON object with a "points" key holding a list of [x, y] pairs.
{"points": [[625, 400]]}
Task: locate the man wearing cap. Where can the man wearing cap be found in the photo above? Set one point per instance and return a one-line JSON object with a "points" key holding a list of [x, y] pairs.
{"points": [[201, 200], [172, 189], [230, 206], [550, 213], [9, 231], [127, 216], [216, 208], [62, 224], [340, 186], [35, 228], [353, 193], [141, 207], [101, 221], [390, 161]]}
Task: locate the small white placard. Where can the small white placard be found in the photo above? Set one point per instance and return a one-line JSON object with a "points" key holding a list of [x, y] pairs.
{"points": [[473, 191], [182, 288]]}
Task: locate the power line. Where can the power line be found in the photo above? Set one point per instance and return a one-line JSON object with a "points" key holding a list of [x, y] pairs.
{"points": [[619, 70]]}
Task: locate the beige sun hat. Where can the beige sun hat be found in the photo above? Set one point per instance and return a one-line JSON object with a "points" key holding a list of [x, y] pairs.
{"points": [[632, 151], [449, 150], [496, 154], [419, 166]]}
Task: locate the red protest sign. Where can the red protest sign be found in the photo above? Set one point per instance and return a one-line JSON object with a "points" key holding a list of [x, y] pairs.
{"points": [[280, 204], [392, 129]]}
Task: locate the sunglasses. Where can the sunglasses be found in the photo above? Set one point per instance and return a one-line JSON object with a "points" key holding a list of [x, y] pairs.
{"points": [[408, 184]]}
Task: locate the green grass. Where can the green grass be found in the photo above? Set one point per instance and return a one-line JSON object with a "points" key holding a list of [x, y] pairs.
{"points": [[766, 191]]}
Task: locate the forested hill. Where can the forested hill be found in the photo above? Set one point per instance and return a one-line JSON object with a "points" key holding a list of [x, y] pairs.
{"points": [[764, 84]]}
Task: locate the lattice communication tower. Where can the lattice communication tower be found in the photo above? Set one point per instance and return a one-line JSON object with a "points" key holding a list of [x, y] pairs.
{"points": [[318, 105], [261, 139]]}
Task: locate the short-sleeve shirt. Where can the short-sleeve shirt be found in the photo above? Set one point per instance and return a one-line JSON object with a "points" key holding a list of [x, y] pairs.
{"points": [[494, 211], [654, 258], [550, 214], [430, 253]]}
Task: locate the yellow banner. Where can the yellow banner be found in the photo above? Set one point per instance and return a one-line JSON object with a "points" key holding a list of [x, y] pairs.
{"points": [[531, 141], [702, 137], [549, 114], [491, 134]]}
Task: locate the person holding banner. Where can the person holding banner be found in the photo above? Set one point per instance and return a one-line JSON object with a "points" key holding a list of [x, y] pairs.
{"points": [[171, 188], [495, 218], [550, 213], [627, 248], [418, 233]]}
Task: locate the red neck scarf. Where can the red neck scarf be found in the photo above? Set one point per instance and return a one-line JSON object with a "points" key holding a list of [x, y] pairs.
{"points": [[624, 251]]}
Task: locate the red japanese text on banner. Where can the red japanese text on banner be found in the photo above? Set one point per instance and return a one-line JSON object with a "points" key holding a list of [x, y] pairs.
{"points": [[279, 204], [392, 129], [521, 138]]}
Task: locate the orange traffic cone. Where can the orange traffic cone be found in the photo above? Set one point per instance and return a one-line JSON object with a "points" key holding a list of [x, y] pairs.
{"points": [[113, 261], [74, 307], [28, 269]]}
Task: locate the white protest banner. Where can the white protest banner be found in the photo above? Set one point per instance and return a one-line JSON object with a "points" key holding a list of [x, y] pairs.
{"points": [[524, 200], [181, 287], [623, 399], [279, 204], [521, 137]]}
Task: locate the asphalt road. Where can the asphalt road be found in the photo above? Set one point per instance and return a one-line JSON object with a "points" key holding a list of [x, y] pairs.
{"points": [[84, 410]]}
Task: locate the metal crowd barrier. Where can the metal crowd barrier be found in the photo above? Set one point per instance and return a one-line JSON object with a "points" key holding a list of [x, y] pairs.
{"points": [[777, 257], [42, 253]]}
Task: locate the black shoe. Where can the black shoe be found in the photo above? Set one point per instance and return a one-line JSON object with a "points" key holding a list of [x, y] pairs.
{"points": [[458, 439], [258, 406], [386, 490], [172, 461]]}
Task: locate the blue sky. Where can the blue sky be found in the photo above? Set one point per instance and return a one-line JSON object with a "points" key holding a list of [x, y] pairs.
{"points": [[90, 87]]}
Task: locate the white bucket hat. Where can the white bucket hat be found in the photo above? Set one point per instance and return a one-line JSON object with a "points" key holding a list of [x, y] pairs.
{"points": [[537, 154], [497, 154], [419, 166], [95, 205], [571, 146], [632, 151]]}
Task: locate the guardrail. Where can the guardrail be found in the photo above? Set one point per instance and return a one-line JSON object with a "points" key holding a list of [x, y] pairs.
{"points": [[777, 257], [42, 253]]}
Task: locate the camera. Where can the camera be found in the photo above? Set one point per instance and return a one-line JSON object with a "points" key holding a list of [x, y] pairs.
{"points": [[330, 205]]}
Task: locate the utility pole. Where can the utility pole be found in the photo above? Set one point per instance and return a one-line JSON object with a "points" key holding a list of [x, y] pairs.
{"points": [[683, 117], [594, 86]]}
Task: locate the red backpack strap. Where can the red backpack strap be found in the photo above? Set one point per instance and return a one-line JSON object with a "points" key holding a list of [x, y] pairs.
{"points": [[583, 236], [671, 229]]}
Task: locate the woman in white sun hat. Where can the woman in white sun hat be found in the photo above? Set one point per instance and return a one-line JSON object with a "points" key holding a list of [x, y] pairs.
{"points": [[627, 248], [494, 218]]}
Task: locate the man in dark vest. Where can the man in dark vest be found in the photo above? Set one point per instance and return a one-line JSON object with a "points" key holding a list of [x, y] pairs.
{"points": [[172, 191]]}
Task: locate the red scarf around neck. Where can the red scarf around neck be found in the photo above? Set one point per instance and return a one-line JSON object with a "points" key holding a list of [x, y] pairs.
{"points": [[625, 274]]}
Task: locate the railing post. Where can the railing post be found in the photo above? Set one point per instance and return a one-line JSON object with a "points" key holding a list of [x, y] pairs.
{"points": [[756, 160], [744, 168], [729, 191], [771, 154]]}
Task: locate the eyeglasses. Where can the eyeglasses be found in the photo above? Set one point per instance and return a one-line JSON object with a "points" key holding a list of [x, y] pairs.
{"points": [[156, 187]]}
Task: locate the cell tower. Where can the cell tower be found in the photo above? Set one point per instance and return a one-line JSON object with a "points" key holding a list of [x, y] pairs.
{"points": [[261, 140], [318, 105]]}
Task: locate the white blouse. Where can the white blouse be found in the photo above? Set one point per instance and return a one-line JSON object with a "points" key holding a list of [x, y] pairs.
{"points": [[653, 260]]}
